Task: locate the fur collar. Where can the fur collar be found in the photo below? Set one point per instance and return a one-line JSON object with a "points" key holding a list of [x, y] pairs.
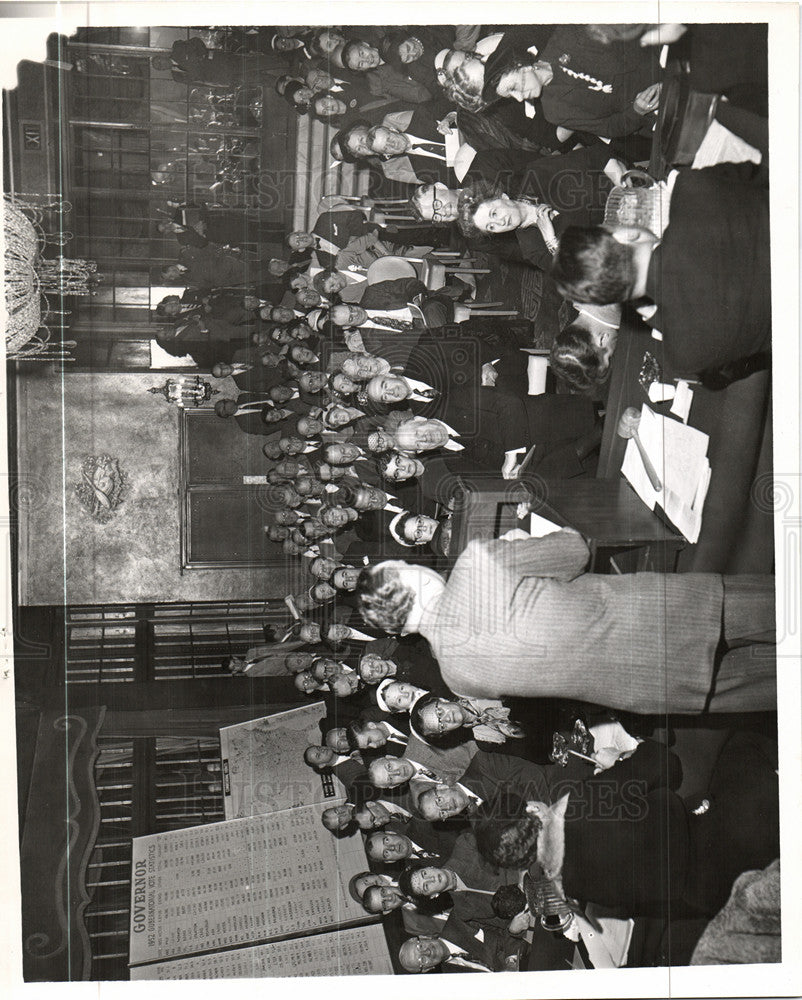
{"points": [[551, 839]]}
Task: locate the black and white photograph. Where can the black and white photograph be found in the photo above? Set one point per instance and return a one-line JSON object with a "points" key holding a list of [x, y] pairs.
{"points": [[403, 498]]}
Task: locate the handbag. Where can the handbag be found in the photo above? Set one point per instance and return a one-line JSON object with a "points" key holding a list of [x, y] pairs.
{"points": [[637, 205]]}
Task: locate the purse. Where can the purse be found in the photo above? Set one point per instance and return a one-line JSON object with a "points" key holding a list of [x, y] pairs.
{"points": [[636, 205]]}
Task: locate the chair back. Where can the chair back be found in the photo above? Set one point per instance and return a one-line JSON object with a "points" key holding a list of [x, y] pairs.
{"points": [[390, 268]]}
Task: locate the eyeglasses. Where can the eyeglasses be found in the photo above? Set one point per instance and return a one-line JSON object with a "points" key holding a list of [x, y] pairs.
{"points": [[439, 714], [442, 806], [437, 215]]}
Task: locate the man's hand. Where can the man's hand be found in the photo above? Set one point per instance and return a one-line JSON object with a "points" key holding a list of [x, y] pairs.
{"points": [[489, 375], [510, 466], [648, 100], [605, 757], [663, 34], [380, 249], [520, 923], [448, 123], [236, 665]]}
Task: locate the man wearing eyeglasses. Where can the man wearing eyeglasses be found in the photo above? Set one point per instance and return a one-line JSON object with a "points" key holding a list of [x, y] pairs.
{"points": [[487, 776], [460, 948]]}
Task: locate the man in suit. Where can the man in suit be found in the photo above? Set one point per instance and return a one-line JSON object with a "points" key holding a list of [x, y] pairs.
{"points": [[387, 847], [250, 374], [324, 760], [411, 148], [345, 229], [708, 279], [459, 948], [247, 410], [473, 869], [407, 659], [208, 267], [364, 734], [489, 777], [357, 56], [491, 429], [192, 62], [523, 618]]}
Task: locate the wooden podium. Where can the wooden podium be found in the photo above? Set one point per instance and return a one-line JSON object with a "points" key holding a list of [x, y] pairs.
{"points": [[623, 534]]}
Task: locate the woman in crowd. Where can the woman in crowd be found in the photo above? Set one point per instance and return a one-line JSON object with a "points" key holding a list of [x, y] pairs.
{"points": [[539, 202], [644, 852], [584, 85]]}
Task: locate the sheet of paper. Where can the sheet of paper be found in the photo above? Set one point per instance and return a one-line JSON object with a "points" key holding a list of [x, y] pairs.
{"points": [[453, 141], [536, 369], [462, 160], [240, 882], [683, 398], [679, 455], [722, 146], [540, 526], [357, 951], [263, 765]]}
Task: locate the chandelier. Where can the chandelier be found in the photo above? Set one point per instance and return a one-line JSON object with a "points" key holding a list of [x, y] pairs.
{"points": [[30, 278]]}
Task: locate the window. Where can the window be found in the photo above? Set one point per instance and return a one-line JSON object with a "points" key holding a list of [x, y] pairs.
{"points": [[144, 786], [140, 643]]}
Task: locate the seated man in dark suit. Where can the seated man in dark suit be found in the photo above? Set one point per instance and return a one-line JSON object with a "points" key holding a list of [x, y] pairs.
{"points": [[248, 413], [709, 279], [407, 659], [192, 62], [492, 430], [465, 369], [487, 777], [337, 231], [461, 948], [210, 267]]}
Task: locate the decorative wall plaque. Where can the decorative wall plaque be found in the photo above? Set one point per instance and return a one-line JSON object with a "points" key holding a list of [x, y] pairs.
{"points": [[102, 487]]}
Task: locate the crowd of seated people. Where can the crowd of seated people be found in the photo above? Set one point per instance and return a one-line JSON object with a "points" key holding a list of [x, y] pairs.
{"points": [[374, 394]]}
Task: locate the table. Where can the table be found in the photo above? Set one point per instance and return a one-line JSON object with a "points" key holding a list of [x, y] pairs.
{"points": [[622, 533], [737, 533]]}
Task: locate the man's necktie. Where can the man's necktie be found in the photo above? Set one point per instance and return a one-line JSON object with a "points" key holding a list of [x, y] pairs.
{"points": [[402, 325], [426, 773], [463, 958]]}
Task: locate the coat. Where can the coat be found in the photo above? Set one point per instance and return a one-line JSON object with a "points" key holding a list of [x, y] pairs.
{"points": [[711, 275], [521, 618], [594, 85]]}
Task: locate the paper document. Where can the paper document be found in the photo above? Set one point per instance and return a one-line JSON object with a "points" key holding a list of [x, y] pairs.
{"points": [[540, 526], [536, 369], [683, 398], [679, 455], [722, 146], [453, 141]]}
